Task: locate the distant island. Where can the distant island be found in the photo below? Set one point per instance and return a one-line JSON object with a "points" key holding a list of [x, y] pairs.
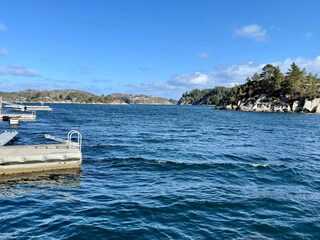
{"points": [[77, 96], [270, 91]]}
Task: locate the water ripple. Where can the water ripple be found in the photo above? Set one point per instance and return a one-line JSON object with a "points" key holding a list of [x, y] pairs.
{"points": [[168, 172]]}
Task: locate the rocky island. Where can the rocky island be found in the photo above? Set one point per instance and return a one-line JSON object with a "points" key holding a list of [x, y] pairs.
{"points": [[77, 96], [270, 91]]}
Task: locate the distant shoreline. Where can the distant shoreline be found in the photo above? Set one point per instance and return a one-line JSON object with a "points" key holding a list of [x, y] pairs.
{"points": [[84, 103], [77, 96]]}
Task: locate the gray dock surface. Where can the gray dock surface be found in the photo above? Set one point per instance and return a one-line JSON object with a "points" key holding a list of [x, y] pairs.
{"points": [[21, 107], [6, 137], [6, 116]]}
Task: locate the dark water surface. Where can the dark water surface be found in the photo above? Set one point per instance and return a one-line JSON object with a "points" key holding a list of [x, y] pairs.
{"points": [[170, 172]]}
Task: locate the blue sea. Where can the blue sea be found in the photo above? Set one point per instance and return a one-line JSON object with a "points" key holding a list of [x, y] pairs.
{"points": [[170, 172]]}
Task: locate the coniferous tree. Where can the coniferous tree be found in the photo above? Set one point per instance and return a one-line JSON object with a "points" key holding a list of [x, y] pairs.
{"points": [[294, 80]]}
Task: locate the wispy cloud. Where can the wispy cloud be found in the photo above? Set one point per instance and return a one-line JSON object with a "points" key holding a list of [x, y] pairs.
{"points": [[3, 27], [308, 35], [174, 87], [252, 31], [148, 70], [4, 52], [10, 86], [143, 69], [83, 69], [204, 55], [100, 80], [17, 70]]}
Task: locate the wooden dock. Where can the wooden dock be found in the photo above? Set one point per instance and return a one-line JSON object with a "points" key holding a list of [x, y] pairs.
{"points": [[7, 136]]}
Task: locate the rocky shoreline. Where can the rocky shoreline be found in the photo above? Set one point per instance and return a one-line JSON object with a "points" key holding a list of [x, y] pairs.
{"points": [[270, 104]]}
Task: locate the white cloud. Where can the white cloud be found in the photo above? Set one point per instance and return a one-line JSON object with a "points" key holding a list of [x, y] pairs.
{"points": [[4, 52], [311, 65], [252, 31], [236, 73], [191, 79], [3, 27], [172, 88], [204, 55], [17, 70]]}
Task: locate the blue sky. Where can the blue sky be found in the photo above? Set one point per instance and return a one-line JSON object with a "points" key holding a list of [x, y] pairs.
{"points": [[161, 48]]}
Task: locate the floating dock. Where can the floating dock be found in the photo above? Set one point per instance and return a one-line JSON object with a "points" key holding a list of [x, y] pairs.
{"points": [[7, 136], [15, 118], [21, 117], [20, 107], [35, 158]]}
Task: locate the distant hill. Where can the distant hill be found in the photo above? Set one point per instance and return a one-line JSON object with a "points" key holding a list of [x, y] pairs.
{"points": [[77, 96], [118, 98]]}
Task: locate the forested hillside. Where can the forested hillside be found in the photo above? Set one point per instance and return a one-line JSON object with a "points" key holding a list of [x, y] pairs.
{"points": [[294, 85]]}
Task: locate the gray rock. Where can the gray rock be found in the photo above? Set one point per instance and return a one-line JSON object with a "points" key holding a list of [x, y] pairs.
{"points": [[311, 106], [261, 98], [229, 107], [296, 106], [315, 103], [307, 106]]}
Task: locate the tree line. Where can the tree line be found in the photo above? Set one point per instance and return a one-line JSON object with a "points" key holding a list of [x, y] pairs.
{"points": [[295, 84]]}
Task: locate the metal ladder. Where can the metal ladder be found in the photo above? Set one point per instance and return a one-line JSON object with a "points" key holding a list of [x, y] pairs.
{"points": [[69, 141]]}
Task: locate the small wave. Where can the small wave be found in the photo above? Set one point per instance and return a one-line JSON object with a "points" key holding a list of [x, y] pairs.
{"points": [[257, 165], [170, 164]]}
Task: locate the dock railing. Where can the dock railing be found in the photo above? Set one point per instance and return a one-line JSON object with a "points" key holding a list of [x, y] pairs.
{"points": [[71, 135], [78, 136]]}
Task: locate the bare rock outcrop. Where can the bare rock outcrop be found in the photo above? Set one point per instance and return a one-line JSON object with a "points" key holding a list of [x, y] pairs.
{"points": [[311, 106], [262, 103]]}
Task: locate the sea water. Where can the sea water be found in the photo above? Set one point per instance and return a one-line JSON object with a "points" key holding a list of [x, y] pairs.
{"points": [[170, 172]]}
